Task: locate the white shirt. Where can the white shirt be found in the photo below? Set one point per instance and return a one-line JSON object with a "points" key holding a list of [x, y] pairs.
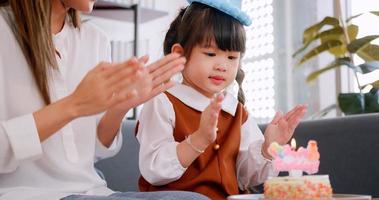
{"points": [[158, 160], [63, 164]]}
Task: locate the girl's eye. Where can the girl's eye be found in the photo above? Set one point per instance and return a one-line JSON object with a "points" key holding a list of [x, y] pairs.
{"points": [[232, 57], [210, 54]]}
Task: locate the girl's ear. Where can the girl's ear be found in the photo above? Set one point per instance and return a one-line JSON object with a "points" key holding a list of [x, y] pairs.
{"points": [[177, 48]]}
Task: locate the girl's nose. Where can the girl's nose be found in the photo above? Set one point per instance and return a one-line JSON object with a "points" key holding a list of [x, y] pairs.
{"points": [[221, 68]]}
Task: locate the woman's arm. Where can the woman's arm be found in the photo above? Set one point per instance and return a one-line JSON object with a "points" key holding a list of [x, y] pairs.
{"points": [[19, 142], [93, 95], [53, 117]]}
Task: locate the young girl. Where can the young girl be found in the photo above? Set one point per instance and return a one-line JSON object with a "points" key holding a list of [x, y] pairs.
{"points": [[54, 82], [197, 136]]}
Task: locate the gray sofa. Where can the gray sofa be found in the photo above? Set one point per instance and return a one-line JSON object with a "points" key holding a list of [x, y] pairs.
{"points": [[349, 149]]}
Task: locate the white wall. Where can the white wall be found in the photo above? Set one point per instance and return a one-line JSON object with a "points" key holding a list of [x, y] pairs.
{"points": [[152, 31]]}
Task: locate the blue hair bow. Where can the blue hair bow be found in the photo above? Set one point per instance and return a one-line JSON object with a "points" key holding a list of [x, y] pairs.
{"points": [[229, 7]]}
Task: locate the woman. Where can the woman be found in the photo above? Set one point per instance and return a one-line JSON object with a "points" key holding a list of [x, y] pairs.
{"points": [[61, 103]]}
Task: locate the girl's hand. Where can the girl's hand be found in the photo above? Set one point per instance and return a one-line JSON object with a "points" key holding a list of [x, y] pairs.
{"points": [[189, 149], [207, 132], [104, 86], [281, 128], [155, 80]]}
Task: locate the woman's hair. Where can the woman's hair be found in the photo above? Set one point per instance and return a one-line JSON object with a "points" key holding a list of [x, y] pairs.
{"points": [[32, 27], [200, 24]]}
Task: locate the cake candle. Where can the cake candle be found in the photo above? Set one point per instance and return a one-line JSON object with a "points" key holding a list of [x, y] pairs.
{"points": [[294, 171]]}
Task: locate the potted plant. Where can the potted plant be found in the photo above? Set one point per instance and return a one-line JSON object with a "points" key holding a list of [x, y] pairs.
{"points": [[340, 40]]}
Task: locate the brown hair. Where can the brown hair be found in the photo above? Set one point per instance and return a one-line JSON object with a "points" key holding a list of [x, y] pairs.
{"points": [[32, 27], [200, 24]]}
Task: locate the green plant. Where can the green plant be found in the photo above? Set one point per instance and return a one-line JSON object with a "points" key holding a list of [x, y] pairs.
{"points": [[340, 39]]}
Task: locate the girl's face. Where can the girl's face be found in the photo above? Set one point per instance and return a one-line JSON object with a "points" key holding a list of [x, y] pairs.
{"points": [[210, 70], [85, 6]]}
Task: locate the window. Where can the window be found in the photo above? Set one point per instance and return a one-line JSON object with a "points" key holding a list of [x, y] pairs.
{"points": [[258, 62], [368, 25]]}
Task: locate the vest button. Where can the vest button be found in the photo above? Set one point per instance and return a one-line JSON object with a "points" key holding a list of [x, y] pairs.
{"points": [[216, 147]]}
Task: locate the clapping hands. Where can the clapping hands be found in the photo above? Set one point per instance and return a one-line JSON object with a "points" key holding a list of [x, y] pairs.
{"points": [[154, 80], [122, 86], [282, 127], [209, 119]]}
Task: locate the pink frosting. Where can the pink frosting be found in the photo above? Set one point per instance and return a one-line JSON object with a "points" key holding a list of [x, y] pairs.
{"points": [[286, 159]]}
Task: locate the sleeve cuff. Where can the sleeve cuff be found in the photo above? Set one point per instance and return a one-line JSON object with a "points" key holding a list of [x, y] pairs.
{"points": [[23, 137], [175, 163], [168, 170], [107, 152], [255, 151]]}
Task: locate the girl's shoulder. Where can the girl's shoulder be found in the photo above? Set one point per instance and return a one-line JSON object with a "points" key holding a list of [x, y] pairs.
{"points": [[160, 106], [161, 100]]}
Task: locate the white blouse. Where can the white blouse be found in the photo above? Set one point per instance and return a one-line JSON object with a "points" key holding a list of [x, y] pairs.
{"points": [[158, 160], [63, 164]]}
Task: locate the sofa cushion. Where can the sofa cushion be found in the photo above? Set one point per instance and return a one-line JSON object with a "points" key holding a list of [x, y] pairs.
{"points": [[349, 149]]}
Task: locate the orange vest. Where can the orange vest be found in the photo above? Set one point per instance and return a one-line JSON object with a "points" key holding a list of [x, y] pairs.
{"points": [[214, 172]]}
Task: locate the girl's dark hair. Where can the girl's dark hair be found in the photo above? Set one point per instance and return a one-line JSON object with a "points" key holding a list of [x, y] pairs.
{"points": [[200, 24]]}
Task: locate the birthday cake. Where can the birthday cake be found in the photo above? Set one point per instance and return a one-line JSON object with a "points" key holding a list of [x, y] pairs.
{"points": [[296, 186]]}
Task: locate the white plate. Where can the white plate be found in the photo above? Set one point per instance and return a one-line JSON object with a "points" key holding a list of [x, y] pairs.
{"points": [[351, 197], [246, 197]]}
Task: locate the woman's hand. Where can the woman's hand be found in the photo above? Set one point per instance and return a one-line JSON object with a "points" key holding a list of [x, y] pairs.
{"points": [[94, 94], [281, 128], [149, 82], [155, 80], [207, 132], [106, 85]]}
